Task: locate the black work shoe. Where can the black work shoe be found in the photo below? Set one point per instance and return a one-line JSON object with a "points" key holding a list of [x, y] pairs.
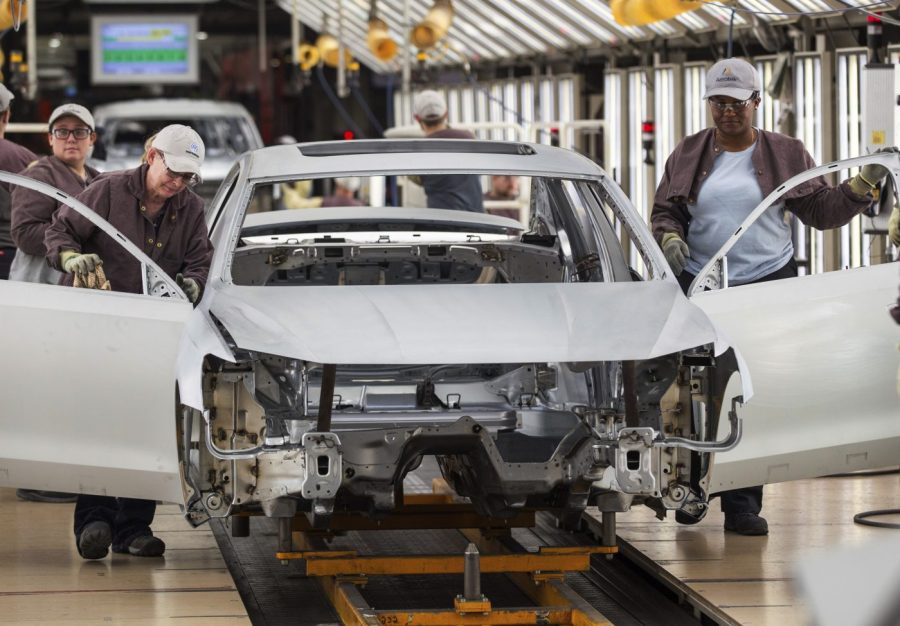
{"points": [[746, 524], [94, 540], [54, 497], [143, 545]]}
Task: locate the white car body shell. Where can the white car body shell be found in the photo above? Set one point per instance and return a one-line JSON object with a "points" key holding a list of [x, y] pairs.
{"points": [[90, 388]]}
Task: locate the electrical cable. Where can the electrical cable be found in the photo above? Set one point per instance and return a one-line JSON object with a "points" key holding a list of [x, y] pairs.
{"points": [[392, 180], [337, 103], [519, 119], [365, 107], [865, 473], [882, 18], [467, 70], [730, 35], [863, 518], [833, 12]]}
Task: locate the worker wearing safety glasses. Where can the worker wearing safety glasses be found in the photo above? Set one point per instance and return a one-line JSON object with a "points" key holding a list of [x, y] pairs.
{"points": [[153, 205], [713, 180], [71, 136]]}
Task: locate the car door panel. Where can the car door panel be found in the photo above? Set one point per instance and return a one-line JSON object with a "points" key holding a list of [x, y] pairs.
{"points": [[822, 353], [88, 388]]}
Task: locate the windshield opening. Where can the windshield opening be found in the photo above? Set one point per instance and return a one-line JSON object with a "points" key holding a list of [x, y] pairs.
{"points": [[336, 232]]}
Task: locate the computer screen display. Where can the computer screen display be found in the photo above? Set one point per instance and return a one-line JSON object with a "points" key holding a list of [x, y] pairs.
{"points": [[144, 49]]}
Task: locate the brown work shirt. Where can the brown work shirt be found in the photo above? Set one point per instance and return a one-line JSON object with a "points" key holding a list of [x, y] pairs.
{"points": [[176, 240], [13, 158], [776, 158], [32, 211]]}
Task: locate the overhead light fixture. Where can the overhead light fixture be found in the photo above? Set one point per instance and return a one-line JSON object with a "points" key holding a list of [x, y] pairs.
{"points": [[379, 37], [643, 12], [434, 26]]}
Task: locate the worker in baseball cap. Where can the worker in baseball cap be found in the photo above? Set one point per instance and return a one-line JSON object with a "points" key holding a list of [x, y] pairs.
{"points": [[153, 205], [712, 181], [445, 191], [71, 136]]}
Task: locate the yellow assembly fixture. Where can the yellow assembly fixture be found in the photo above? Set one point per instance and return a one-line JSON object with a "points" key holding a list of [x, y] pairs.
{"points": [[309, 56], [434, 26], [642, 12]]}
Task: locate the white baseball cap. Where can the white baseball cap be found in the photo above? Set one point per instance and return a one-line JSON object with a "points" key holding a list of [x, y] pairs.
{"points": [[73, 110], [734, 78], [182, 146], [429, 105], [6, 96], [351, 183]]}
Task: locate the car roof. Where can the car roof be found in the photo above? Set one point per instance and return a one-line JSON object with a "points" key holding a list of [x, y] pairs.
{"points": [[168, 108], [344, 215], [373, 157]]}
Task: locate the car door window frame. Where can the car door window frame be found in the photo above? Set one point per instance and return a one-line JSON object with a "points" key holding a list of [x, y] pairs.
{"points": [[714, 275], [155, 281]]}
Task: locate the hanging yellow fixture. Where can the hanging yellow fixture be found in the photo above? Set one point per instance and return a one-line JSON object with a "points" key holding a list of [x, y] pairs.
{"points": [[434, 26], [379, 40], [12, 14], [309, 56], [329, 51], [643, 12]]}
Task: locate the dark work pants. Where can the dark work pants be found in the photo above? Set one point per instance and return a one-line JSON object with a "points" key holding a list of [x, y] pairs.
{"points": [[748, 499], [6, 259], [127, 517]]}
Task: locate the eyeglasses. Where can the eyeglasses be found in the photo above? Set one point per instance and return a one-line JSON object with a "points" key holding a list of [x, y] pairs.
{"points": [[78, 133], [734, 107], [187, 178]]}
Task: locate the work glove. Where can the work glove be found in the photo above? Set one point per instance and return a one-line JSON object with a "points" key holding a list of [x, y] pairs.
{"points": [[76, 263], [676, 251], [894, 226], [870, 175], [190, 287]]}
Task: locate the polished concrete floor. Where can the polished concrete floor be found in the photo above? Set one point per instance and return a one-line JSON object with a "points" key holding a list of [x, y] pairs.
{"points": [[752, 579], [44, 581]]}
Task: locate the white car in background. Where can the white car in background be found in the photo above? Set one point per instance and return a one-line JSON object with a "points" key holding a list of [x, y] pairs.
{"points": [[227, 130], [334, 348]]}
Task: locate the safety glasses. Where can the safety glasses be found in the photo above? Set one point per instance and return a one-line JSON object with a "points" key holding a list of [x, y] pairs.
{"points": [[187, 178], [78, 133], [734, 107]]}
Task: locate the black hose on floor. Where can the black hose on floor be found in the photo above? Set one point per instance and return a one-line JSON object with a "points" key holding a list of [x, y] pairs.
{"points": [[863, 518]]}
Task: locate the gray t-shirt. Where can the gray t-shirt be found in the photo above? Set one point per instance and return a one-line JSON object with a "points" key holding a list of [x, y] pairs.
{"points": [[726, 198], [453, 191]]}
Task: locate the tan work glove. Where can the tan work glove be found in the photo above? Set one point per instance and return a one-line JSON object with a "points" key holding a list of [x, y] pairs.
{"points": [[894, 226], [870, 175], [190, 287], [76, 263], [676, 252]]}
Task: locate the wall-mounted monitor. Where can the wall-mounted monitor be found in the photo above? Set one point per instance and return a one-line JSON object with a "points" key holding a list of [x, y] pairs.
{"points": [[159, 49]]}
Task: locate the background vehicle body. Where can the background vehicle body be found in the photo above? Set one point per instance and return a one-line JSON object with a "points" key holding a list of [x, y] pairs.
{"points": [[227, 130]]}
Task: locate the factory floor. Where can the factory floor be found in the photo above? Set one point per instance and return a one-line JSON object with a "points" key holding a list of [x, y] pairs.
{"points": [[44, 581], [752, 579]]}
